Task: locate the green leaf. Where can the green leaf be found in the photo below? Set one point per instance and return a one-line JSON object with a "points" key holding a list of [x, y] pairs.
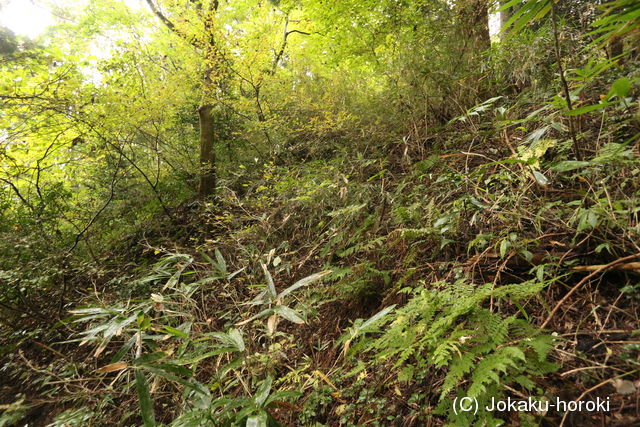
{"points": [[166, 372], [379, 315], [173, 280], [175, 332], [621, 87], [150, 358], [206, 355], [445, 242], [504, 247], [587, 108], [257, 420], [536, 135], [94, 310], [592, 219], [288, 314], [117, 325], [542, 180], [236, 337], [123, 350], [235, 273], [303, 282], [528, 12], [526, 254], [569, 165], [406, 374], [508, 5], [219, 264], [208, 258], [146, 406], [176, 369], [441, 221], [588, 221], [233, 338], [264, 313], [263, 391], [282, 395], [222, 264], [270, 285]]}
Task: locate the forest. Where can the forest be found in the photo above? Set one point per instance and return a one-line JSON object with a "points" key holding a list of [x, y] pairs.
{"points": [[320, 213]]}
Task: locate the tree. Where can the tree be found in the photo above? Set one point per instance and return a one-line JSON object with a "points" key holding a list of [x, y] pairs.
{"points": [[473, 22], [8, 43], [204, 41]]}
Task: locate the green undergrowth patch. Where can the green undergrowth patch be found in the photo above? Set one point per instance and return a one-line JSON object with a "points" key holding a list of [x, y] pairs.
{"points": [[369, 287]]}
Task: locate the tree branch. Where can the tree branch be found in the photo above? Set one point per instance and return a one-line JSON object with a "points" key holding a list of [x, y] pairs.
{"points": [[17, 191], [278, 57], [104, 206], [163, 19], [170, 25]]}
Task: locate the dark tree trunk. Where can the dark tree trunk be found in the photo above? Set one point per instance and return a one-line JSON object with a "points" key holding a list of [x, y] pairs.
{"points": [[207, 185], [473, 18], [616, 48]]}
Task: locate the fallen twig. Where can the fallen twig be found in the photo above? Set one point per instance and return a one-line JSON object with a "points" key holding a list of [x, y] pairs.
{"points": [[583, 281], [595, 387], [624, 266]]}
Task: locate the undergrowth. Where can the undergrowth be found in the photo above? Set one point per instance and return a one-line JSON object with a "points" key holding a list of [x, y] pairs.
{"points": [[491, 258]]}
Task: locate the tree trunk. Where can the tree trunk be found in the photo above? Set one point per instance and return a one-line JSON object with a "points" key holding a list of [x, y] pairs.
{"points": [[505, 15], [616, 48], [473, 30], [207, 185], [473, 18]]}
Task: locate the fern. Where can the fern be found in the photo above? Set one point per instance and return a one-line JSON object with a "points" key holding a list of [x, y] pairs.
{"points": [[460, 366], [490, 369], [446, 329], [362, 247], [541, 345]]}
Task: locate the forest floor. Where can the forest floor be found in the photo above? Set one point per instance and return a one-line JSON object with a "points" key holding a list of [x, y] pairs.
{"points": [[546, 248]]}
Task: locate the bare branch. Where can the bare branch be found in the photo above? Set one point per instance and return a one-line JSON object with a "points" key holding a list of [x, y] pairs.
{"points": [[163, 19], [104, 206], [17, 191], [283, 47]]}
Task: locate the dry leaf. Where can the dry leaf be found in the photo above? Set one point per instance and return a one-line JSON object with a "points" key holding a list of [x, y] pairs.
{"points": [[347, 344], [113, 367], [99, 350], [271, 324], [624, 387]]}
